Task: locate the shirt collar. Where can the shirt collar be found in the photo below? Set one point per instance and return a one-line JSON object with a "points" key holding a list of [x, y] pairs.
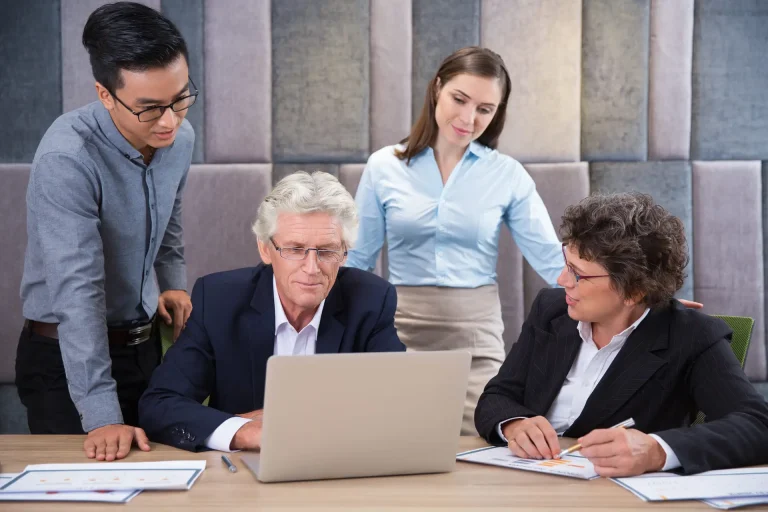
{"points": [[281, 319], [585, 331], [475, 148]]}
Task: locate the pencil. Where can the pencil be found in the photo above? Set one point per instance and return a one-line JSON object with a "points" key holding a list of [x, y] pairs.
{"points": [[624, 424]]}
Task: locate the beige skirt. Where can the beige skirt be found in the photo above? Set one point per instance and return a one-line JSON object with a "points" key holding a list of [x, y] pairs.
{"points": [[437, 318]]}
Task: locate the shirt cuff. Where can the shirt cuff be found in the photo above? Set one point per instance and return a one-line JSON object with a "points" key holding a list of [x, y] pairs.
{"points": [[99, 410], [221, 438], [171, 277], [672, 461], [501, 426]]}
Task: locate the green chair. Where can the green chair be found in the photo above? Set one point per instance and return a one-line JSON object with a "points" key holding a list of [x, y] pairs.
{"points": [[742, 335]]}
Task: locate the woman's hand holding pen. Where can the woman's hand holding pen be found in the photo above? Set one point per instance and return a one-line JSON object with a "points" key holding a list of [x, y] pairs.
{"points": [[619, 452]]}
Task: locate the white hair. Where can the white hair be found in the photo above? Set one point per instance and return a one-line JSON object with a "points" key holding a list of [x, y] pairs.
{"points": [[301, 193]]}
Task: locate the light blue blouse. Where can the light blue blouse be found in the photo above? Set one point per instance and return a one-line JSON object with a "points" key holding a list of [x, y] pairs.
{"points": [[449, 235]]}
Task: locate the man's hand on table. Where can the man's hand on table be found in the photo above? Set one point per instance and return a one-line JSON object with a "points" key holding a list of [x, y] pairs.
{"points": [[112, 442]]}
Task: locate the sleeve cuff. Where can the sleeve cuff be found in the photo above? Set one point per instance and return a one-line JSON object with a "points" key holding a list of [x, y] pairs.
{"points": [[221, 438], [171, 277], [99, 410], [672, 461]]}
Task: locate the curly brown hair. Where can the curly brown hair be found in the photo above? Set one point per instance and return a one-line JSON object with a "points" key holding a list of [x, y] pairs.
{"points": [[640, 244]]}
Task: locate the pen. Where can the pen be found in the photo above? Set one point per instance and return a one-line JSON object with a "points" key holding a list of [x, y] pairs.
{"points": [[624, 424], [232, 468]]}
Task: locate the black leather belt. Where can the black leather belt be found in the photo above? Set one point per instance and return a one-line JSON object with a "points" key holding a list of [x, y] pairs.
{"points": [[128, 336]]}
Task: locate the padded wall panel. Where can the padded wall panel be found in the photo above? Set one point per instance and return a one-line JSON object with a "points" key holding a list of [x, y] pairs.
{"points": [[669, 183], [220, 205], [669, 87], [439, 29], [187, 15], [320, 71], [282, 170], [13, 414], [349, 176], [13, 232], [559, 185], [728, 247], [77, 78], [509, 272], [730, 96], [30, 80], [614, 84], [238, 96], [540, 43], [391, 60]]}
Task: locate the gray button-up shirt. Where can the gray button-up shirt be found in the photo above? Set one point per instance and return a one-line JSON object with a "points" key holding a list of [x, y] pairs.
{"points": [[104, 230]]}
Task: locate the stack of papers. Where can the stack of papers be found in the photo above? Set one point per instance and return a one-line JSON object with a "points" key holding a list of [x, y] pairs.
{"points": [[113, 482], [723, 489], [574, 466]]}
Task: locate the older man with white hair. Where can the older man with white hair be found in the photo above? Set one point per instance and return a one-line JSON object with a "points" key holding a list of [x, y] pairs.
{"points": [[299, 301]]}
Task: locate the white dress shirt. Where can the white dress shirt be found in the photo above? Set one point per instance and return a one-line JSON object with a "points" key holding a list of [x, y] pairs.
{"points": [[288, 342], [582, 379]]}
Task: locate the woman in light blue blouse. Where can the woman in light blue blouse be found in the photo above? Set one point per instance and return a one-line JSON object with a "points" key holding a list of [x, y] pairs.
{"points": [[439, 198]]}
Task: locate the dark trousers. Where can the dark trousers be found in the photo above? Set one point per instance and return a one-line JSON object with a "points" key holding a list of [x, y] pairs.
{"points": [[42, 383]]}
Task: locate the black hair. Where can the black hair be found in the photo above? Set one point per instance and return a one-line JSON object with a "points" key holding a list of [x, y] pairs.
{"points": [[131, 36]]}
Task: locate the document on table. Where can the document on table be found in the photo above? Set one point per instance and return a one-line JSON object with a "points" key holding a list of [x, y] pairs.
{"points": [[731, 503], [724, 483], [574, 466], [93, 496], [107, 476]]}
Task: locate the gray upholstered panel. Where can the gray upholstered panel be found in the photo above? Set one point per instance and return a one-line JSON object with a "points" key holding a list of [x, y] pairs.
{"points": [[13, 415], [669, 87], [669, 183], [730, 96], [238, 84], [220, 205], [30, 80], [391, 61], [349, 176], [320, 73], [728, 247], [614, 84], [77, 78], [13, 233], [540, 43], [282, 170], [509, 270], [187, 15], [559, 185], [765, 252], [439, 29]]}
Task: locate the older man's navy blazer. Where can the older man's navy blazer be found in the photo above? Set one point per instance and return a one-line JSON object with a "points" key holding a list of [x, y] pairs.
{"points": [[229, 336]]}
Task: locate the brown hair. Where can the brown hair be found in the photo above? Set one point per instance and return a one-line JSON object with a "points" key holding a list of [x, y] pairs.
{"points": [[472, 60], [640, 244]]}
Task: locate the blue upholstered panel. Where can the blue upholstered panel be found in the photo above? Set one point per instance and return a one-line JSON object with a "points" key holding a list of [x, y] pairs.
{"points": [[614, 84], [320, 73], [30, 76], [13, 415], [187, 15]]}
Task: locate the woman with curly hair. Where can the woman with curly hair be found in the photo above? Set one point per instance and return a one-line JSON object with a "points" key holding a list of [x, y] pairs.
{"points": [[613, 344]]}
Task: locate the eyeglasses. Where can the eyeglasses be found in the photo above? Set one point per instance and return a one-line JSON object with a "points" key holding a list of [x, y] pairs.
{"points": [[157, 112], [299, 253], [573, 272]]}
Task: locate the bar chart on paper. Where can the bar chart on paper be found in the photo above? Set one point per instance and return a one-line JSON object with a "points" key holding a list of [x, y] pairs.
{"points": [[574, 466]]}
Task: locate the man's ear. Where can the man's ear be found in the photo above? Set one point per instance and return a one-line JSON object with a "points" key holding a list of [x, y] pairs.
{"points": [[266, 257], [105, 97]]}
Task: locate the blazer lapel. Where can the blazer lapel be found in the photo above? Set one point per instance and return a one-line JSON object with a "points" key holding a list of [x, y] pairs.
{"points": [[331, 329], [552, 361], [635, 363], [260, 325]]}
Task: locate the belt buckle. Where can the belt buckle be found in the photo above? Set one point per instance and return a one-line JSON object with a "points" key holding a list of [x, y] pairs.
{"points": [[141, 334]]}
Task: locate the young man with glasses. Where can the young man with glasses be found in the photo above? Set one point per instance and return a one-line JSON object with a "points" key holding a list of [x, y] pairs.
{"points": [[105, 251], [298, 302]]}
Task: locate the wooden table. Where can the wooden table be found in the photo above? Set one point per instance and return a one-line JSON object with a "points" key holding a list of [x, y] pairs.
{"points": [[470, 486]]}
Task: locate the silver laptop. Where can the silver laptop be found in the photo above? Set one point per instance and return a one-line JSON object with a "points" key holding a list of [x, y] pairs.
{"points": [[356, 415]]}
